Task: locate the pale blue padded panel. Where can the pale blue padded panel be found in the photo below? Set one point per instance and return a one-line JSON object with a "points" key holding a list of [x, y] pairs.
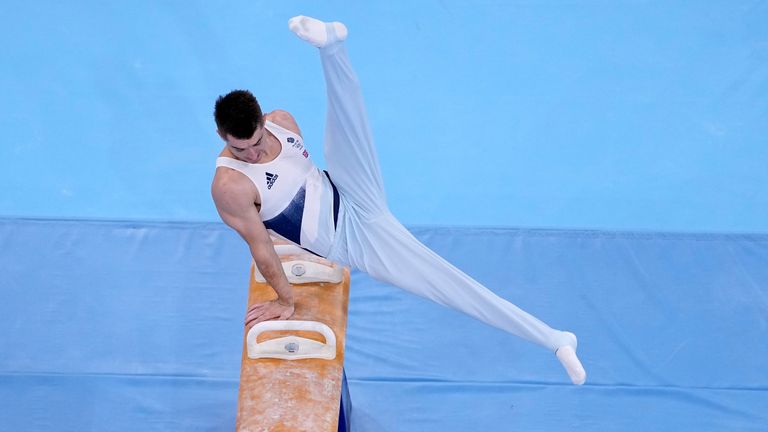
{"points": [[138, 326]]}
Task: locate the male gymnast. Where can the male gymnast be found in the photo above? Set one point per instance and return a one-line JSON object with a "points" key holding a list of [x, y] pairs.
{"points": [[265, 183]]}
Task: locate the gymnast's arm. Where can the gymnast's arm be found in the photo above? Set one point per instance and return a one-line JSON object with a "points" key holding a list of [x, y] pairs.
{"points": [[235, 196]]}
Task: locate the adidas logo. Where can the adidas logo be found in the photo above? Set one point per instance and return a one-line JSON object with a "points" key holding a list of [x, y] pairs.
{"points": [[271, 179]]}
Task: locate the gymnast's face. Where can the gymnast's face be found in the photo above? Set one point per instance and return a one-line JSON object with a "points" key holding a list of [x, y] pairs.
{"points": [[250, 150]]}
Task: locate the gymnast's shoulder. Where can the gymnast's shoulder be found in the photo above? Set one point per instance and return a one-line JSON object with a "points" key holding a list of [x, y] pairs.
{"points": [[284, 119]]}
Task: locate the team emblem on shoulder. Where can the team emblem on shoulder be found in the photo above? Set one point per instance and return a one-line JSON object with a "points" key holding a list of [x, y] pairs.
{"points": [[294, 142]]}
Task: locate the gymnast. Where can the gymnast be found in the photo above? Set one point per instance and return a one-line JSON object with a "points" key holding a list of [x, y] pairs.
{"points": [[266, 184]]}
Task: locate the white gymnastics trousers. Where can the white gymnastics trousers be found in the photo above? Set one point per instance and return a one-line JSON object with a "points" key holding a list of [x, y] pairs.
{"points": [[370, 239]]}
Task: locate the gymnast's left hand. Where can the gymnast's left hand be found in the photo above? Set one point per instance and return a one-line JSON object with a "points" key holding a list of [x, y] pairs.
{"points": [[267, 311]]}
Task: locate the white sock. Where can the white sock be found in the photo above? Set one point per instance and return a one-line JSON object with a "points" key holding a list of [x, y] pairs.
{"points": [[567, 356], [316, 32]]}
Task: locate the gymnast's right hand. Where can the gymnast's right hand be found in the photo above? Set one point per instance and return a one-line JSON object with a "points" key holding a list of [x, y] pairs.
{"points": [[267, 311]]}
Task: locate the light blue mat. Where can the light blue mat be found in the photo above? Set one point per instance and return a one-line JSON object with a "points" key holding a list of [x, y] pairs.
{"points": [[127, 326]]}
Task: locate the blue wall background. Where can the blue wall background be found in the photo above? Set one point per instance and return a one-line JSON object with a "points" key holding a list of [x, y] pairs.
{"points": [[641, 115]]}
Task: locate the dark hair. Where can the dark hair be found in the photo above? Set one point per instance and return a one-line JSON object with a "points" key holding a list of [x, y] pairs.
{"points": [[238, 114]]}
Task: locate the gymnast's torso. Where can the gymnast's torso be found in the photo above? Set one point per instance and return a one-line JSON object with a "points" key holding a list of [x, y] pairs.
{"points": [[297, 201]]}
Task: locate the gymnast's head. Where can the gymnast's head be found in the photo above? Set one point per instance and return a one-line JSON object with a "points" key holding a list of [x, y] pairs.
{"points": [[238, 115], [239, 121]]}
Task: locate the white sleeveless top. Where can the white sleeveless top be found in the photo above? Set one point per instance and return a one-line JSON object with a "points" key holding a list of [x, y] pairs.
{"points": [[298, 201]]}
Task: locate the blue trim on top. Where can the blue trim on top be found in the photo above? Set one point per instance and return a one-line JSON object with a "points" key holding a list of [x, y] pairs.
{"points": [[336, 200], [288, 222]]}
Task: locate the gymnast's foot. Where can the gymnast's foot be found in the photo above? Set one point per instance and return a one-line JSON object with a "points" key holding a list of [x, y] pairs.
{"points": [[567, 356], [316, 32]]}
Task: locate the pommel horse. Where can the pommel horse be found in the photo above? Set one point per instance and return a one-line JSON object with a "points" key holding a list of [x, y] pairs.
{"points": [[292, 374]]}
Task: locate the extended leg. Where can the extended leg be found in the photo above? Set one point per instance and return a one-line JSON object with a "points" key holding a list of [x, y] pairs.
{"points": [[377, 243], [350, 153], [394, 256]]}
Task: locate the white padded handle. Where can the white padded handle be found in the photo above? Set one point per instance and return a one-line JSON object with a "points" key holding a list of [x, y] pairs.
{"points": [[289, 249], [291, 347], [301, 271]]}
